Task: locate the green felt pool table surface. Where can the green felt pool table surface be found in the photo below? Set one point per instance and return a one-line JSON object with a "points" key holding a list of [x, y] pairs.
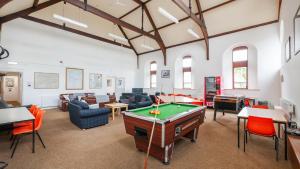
{"points": [[166, 110]]}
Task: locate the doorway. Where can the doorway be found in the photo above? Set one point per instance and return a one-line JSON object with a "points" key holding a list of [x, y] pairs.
{"points": [[111, 85], [10, 88]]}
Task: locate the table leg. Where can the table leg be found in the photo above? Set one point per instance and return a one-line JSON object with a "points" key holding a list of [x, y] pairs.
{"points": [[215, 114], [238, 131], [33, 137], [285, 141], [278, 130], [126, 108], [113, 113]]}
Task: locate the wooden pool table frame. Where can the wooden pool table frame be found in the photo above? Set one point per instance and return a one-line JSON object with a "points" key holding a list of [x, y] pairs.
{"points": [[166, 132]]}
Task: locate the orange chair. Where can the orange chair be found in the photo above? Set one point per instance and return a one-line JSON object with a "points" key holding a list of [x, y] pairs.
{"points": [[262, 127], [34, 112], [33, 107], [260, 106], [19, 132]]}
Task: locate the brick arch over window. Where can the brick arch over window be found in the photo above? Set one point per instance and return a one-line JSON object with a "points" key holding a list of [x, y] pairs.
{"points": [[153, 74]]}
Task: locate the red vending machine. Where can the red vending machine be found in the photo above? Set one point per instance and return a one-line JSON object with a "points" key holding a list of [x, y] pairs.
{"points": [[212, 87]]}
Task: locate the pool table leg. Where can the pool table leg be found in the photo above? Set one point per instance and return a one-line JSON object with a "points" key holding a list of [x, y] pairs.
{"points": [[166, 160], [193, 140]]}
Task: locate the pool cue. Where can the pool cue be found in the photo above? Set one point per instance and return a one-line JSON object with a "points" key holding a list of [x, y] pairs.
{"points": [[151, 136]]}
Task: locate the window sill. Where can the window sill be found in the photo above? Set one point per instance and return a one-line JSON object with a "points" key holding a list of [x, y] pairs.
{"points": [[244, 89]]}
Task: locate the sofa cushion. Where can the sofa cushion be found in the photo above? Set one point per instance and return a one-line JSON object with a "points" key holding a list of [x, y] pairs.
{"points": [[81, 104], [143, 104], [94, 106], [126, 101], [102, 98], [131, 99], [94, 112]]}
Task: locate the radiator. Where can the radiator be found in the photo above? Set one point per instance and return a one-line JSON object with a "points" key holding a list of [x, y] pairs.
{"points": [[287, 106], [49, 100]]}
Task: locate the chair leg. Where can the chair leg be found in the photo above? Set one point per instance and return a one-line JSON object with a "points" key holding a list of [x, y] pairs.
{"points": [[246, 136], [40, 138], [277, 147], [13, 142], [11, 137], [18, 139], [245, 141]]}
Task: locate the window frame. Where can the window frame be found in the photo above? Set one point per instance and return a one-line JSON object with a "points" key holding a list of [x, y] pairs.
{"points": [[186, 69], [153, 72], [238, 64]]}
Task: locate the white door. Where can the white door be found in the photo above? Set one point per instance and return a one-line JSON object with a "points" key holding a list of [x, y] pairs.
{"points": [[111, 85]]}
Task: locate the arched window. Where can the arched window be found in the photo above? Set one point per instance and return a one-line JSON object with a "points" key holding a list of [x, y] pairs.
{"points": [[240, 67], [153, 71], [187, 72]]}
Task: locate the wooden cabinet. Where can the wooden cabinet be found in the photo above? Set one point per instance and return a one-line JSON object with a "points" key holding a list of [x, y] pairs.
{"points": [[294, 151]]}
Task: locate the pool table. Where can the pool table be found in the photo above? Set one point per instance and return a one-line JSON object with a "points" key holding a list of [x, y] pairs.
{"points": [[174, 122]]}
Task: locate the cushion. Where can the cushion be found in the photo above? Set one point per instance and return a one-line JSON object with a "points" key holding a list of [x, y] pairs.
{"points": [[143, 99], [131, 99], [81, 104], [126, 101], [94, 106], [102, 98], [66, 97]]}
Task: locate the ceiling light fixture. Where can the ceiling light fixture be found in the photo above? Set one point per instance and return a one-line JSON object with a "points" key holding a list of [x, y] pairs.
{"points": [[71, 21], [117, 37], [167, 15], [12, 63], [190, 31], [147, 47]]}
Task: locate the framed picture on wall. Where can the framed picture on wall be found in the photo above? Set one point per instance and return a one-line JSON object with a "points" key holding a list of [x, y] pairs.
{"points": [[288, 53], [10, 82], [120, 84], [74, 79], [46, 80], [165, 74], [95, 81], [297, 32]]}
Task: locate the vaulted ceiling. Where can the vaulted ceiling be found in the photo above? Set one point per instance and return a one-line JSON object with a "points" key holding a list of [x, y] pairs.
{"points": [[124, 18]]}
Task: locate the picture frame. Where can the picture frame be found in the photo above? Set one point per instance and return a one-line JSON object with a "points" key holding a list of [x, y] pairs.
{"points": [[10, 82], [95, 81], [165, 74], [120, 83], [288, 53], [46, 80], [297, 32], [74, 79]]}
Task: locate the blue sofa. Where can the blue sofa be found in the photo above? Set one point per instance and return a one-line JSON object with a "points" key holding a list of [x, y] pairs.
{"points": [[135, 101], [85, 118]]}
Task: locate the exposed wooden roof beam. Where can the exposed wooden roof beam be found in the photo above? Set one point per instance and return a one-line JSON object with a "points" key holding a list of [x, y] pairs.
{"points": [[199, 21], [62, 27], [4, 2], [216, 35], [185, 18], [132, 47], [157, 35], [129, 12], [35, 3], [27, 11], [109, 17], [124, 34], [203, 28]]}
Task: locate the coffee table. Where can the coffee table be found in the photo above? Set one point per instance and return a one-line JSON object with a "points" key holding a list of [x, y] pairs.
{"points": [[116, 107]]}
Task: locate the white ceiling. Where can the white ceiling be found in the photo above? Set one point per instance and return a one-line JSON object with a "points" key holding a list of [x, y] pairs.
{"points": [[232, 16]]}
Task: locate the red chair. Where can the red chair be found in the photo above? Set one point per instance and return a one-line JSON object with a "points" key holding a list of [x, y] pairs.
{"points": [[34, 113], [260, 106], [262, 127], [19, 132]]}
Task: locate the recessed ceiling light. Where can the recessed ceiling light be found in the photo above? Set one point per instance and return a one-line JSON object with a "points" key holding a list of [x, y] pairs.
{"points": [[147, 47], [167, 15], [12, 63], [117, 37], [190, 31], [71, 21]]}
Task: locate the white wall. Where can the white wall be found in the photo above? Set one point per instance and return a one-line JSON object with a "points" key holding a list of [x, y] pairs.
{"points": [[290, 70], [39, 48], [264, 39]]}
